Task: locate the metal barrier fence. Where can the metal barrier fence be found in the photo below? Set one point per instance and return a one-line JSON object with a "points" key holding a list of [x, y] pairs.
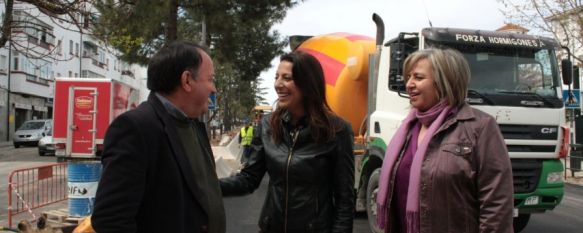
{"points": [[574, 159], [35, 187]]}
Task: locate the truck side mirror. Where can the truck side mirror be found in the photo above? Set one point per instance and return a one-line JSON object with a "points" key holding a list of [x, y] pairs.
{"points": [[398, 55], [567, 70]]}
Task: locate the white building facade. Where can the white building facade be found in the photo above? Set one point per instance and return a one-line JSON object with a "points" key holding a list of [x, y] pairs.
{"points": [[38, 54]]}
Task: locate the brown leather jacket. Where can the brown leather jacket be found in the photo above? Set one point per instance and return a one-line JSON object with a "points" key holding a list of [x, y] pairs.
{"points": [[466, 177]]}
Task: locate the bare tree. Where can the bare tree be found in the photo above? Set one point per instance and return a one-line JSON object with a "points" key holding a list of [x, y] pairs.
{"points": [[16, 23], [561, 19]]}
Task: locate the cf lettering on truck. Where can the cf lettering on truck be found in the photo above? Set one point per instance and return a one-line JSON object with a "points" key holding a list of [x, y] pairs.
{"points": [[515, 78]]}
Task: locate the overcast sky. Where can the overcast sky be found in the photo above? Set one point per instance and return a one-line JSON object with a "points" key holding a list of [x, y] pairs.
{"points": [[316, 17]]}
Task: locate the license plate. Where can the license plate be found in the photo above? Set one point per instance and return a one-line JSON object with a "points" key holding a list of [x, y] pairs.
{"points": [[515, 212], [532, 200]]}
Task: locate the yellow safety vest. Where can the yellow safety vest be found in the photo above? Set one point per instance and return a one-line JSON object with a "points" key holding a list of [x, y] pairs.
{"points": [[246, 136]]}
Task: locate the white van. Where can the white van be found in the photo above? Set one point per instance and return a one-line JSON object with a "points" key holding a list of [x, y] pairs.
{"points": [[30, 132]]}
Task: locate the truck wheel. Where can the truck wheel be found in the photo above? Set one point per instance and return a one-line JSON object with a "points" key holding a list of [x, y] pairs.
{"points": [[520, 222], [41, 153], [16, 145], [371, 200]]}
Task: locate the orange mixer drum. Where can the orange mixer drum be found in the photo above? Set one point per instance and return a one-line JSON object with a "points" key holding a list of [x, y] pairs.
{"points": [[344, 58]]}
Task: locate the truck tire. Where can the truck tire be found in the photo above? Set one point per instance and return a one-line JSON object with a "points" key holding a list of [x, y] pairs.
{"points": [[371, 200], [520, 222]]}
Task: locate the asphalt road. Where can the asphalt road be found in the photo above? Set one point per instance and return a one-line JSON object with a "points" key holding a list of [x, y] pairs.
{"points": [[243, 212], [567, 217]]}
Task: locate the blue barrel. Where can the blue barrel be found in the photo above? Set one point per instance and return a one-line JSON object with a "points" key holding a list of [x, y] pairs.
{"points": [[83, 178]]}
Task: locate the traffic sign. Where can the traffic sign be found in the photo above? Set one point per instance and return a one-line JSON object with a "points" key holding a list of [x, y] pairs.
{"points": [[212, 101], [572, 100]]}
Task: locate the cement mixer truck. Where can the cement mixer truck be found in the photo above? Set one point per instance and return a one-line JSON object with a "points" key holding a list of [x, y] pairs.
{"points": [[515, 78]]}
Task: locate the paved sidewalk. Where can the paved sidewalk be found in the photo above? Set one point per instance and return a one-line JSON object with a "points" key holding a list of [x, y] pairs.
{"points": [[568, 175], [5, 144], [577, 180]]}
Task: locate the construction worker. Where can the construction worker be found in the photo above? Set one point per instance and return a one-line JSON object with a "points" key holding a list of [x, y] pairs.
{"points": [[245, 140]]}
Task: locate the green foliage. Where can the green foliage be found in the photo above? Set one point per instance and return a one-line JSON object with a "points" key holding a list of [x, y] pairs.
{"points": [[238, 33], [245, 39], [135, 28], [236, 97]]}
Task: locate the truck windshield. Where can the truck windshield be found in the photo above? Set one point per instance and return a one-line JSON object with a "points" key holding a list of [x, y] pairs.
{"points": [[510, 76], [506, 70]]}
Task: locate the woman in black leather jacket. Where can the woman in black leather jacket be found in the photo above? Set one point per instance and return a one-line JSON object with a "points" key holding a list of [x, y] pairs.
{"points": [[307, 151]]}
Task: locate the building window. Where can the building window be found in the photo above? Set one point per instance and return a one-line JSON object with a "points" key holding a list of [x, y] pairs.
{"points": [[15, 62], [42, 81], [43, 36], [71, 47], [77, 49], [45, 70], [3, 63], [89, 74], [31, 78], [76, 75], [59, 47], [70, 74], [28, 66], [101, 56]]}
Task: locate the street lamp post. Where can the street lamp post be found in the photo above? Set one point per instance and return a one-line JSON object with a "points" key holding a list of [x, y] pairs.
{"points": [[8, 89]]}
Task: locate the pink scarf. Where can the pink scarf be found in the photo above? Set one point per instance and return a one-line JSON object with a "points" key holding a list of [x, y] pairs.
{"points": [[433, 117]]}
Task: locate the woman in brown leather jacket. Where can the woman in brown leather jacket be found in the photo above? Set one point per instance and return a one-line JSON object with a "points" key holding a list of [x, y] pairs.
{"points": [[447, 168], [307, 151]]}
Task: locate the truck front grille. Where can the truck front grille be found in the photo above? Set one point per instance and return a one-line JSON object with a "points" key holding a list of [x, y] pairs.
{"points": [[526, 174]]}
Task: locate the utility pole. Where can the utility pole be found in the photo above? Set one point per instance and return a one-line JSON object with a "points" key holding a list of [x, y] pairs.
{"points": [[8, 105], [81, 26], [80, 51]]}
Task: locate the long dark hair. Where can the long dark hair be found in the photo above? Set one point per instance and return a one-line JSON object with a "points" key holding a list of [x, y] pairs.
{"points": [[309, 79]]}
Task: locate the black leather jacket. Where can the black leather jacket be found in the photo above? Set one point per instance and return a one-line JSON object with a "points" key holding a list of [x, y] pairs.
{"points": [[311, 184]]}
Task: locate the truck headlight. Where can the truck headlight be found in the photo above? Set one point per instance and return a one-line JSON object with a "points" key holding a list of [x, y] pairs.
{"points": [[555, 177]]}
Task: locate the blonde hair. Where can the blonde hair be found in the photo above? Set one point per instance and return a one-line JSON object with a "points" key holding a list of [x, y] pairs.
{"points": [[451, 73]]}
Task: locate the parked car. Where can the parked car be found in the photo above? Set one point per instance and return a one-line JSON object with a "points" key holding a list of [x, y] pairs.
{"points": [[30, 132], [46, 146]]}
